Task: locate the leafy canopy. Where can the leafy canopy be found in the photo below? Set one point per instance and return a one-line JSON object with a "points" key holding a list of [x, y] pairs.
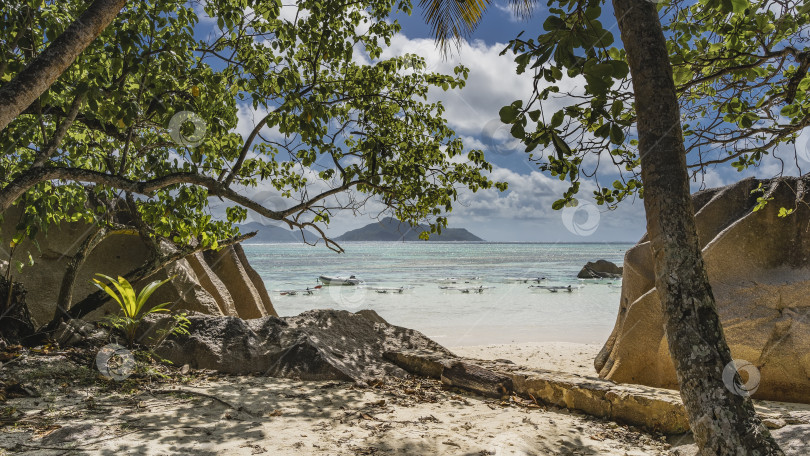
{"points": [[740, 69], [333, 118]]}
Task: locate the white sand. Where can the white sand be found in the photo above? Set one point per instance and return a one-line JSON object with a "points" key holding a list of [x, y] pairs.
{"points": [[558, 356], [248, 415], [284, 417]]}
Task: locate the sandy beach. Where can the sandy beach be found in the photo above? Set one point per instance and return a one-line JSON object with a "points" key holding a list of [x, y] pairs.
{"points": [[247, 415], [568, 357]]}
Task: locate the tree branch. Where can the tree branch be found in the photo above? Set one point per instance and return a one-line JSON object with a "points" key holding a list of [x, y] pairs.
{"points": [[44, 70]]}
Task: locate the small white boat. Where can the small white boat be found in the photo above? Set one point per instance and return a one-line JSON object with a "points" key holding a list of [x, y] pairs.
{"points": [[524, 279], [304, 291], [339, 281], [388, 289], [479, 289], [460, 280], [555, 289]]}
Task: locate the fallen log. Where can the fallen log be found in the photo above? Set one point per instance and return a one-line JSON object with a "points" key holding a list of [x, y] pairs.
{"points": [[653, 409], [477, 379]]}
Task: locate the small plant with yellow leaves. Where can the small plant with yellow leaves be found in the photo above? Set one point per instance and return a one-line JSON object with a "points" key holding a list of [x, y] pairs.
{"points": [[131, 303]]}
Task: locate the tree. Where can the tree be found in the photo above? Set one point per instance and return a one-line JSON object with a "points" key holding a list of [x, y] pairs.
{"points": [[722, 422], [139, 133], [575, 43], [43, 70]]}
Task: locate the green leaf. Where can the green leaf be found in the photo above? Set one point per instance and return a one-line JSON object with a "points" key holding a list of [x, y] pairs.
{"points": [[508, 114], [616, 134], [147, 291], [102, 286], [560, 146], [740, 6], [557, 119]]}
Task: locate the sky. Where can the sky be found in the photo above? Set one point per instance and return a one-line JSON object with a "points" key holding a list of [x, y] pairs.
{"points": [[523, 213]]}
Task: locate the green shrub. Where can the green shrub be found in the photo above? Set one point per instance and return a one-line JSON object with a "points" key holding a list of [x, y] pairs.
{"points": [[131, 304]]}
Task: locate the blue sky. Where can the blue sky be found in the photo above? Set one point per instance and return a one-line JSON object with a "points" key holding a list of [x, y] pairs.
{"points": [[524, 212]]}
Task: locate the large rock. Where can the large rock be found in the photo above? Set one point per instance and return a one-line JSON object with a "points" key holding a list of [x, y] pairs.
{"points": [[601, 269], [759, 268], [316, 345], [217, 283]]}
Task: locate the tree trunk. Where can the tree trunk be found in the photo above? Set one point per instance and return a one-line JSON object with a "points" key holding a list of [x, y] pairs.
{"points": [[723, 423], [16, 326], [65, 298], [31, 82]]}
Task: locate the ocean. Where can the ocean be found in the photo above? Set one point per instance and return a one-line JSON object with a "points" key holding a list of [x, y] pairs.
{"points": [[503, 313]]}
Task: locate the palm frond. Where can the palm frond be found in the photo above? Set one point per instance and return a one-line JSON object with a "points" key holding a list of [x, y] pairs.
{"points": [[102, 286], [127, 295], [147, 291], [454, 20]]}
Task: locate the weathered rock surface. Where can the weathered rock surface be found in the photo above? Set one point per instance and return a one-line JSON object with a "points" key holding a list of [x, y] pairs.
{"points": [[759, 268], [78, 332], [218, 283], [315, 345], [654, 409], [600, 269]]}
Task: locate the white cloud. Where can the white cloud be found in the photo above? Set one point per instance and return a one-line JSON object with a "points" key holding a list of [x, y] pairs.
{"points": [[492, 84], [524, 212]]}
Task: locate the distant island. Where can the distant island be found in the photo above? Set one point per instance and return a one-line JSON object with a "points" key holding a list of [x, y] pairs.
{"points": [[272, 234], [391, 229]]}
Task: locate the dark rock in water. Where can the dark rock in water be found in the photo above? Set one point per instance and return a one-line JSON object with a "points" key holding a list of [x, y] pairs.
{"points": [[316, 345], [601, 269]]}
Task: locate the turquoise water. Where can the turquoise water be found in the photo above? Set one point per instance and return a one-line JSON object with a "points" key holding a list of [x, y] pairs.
{"points": [[505, 313]]}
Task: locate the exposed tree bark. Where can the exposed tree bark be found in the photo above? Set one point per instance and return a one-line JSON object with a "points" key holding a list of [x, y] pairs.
{"points": [[476, 378], [723, 423], [31, 82], [61, 131]]}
